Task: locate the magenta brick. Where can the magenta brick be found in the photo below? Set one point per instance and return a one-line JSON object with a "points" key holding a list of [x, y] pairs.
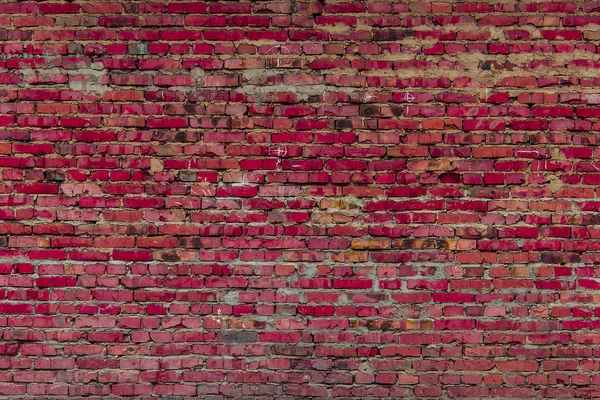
{"points": [[293, 200]]}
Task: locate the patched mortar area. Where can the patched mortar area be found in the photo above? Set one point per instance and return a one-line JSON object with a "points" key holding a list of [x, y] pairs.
{"points": [[255, 79], [89, 81]]}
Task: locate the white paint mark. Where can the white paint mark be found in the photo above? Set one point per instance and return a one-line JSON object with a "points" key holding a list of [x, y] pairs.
{"points": [[409, 97], [537, 153], [367, 97], [472, 112], [494, 124], [278, 151]]}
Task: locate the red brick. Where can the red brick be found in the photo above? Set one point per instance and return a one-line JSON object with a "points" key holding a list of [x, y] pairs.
{"points": [[243, 199]]}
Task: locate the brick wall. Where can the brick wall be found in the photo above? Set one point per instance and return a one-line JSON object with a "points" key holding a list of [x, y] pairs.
{"points": [[287, 199]]}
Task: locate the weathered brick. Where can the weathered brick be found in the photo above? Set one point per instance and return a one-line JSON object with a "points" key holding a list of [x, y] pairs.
{"points": [[299, 199]]}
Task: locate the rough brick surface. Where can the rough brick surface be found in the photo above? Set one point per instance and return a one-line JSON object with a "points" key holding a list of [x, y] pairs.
{"points": [[288, 199]]}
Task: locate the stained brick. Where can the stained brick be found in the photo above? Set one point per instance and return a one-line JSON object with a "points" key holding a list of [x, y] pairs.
{"points": [[299, 199]]}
